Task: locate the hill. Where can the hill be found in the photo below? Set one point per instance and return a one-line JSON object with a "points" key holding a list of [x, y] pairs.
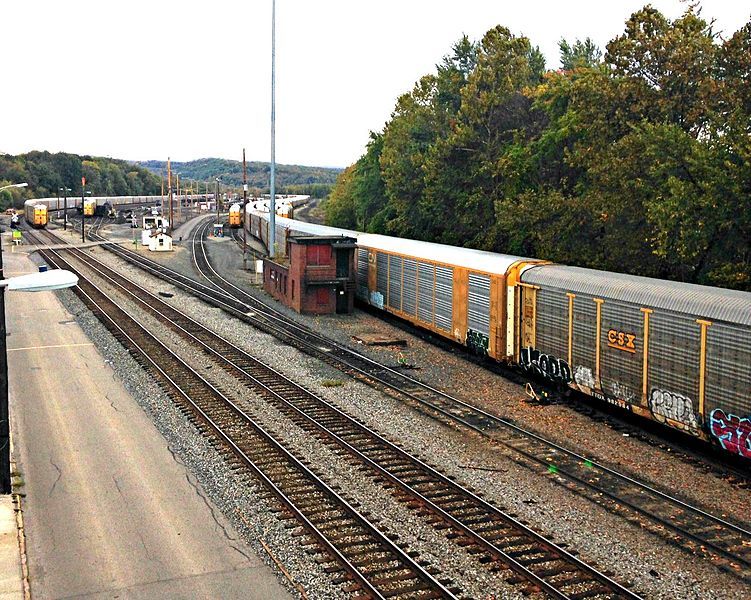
{"points": [[230, 172], [46, 173]]}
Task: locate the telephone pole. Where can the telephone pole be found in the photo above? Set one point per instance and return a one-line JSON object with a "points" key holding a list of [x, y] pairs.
{"points": [[244, 209], [169, 191]]}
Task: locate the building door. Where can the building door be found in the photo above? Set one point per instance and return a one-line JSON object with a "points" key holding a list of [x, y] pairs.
{"points": [[342, 263], [342, 303]]}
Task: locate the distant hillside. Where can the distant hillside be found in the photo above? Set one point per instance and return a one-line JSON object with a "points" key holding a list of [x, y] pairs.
{"points": [[46, 173], [231, 173]]}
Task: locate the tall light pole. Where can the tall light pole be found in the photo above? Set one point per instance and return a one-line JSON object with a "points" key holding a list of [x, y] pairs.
{"points": [[5, 487], [272, 190]]}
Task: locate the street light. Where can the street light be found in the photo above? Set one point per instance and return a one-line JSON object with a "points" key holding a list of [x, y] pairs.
{"points": [[35, 282], [179, 202]]}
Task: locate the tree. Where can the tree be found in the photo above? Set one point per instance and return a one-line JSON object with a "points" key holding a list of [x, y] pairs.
{"points": [[339, 207], [584, 54], [669, 64], [466, 170]]}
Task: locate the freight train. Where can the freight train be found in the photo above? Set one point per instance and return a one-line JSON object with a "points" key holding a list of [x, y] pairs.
{"points": [[673, 352], [38, 217]]}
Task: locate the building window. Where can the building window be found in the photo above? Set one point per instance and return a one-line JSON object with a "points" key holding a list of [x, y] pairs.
{"points": [[319, 255], [293, 289]]}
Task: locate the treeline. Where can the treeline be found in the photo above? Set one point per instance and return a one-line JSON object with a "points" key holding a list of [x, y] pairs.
{"points": [[46, 173], [637, 161], [230, 173]]}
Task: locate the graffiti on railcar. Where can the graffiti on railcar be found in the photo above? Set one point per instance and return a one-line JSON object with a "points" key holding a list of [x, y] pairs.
{"points": [[674, 409], [376, 299], [545, 365], [733, 433], [622, 391], [477, 342], [583, 376]]}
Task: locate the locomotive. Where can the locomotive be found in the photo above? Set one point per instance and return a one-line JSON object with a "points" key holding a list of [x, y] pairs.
{"points": [[235, 216]]}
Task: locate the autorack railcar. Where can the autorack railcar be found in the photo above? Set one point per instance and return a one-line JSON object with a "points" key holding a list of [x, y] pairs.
{"points": [[672, 352]]}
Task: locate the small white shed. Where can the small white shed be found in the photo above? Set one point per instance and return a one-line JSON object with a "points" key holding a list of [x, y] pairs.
{"points": [[160, 241]]}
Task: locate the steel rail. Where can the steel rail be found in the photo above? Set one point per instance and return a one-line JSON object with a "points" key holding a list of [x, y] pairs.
{"points": [[435, 588], [194, 331], [580, 469]]}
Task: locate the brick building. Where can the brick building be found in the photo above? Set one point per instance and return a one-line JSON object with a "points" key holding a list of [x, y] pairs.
{"points": [[316, 277]]}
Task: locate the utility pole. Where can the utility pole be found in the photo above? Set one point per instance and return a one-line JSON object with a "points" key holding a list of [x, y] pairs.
{"points": [[169, 190], [217, 200], [83, 209], [179, 199], [245, 212], [272, 202], [162, 211]]}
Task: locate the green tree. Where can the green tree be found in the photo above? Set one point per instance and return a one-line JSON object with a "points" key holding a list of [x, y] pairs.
{"points": [[464, 172], [339, 207], [578, 55]]}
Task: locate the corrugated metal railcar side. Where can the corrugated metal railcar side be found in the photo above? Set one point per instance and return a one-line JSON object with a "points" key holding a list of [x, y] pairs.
{"points": [[677, 353], [457, 293]]}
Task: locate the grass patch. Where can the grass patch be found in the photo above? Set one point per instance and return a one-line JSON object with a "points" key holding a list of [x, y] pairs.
{"points": [[332, 383]]}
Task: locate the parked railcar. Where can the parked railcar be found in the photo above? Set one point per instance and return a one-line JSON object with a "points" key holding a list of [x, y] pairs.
{"points": [[74, 203], [235, 216], [668, 351], [458, 293], [36, 214], [676, 353]]}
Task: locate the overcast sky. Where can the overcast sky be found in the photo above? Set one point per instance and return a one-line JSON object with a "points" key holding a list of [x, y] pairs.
{"points": [[151, 79]]}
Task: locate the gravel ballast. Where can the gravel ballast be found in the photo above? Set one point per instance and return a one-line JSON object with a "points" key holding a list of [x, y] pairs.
{"points": [[656, 568]]}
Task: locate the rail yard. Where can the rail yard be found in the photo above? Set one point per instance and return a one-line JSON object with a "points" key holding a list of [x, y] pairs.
{"points": [[409, 471]]}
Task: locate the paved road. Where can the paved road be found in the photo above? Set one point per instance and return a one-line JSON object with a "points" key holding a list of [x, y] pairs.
{"points": [[109, 512]]}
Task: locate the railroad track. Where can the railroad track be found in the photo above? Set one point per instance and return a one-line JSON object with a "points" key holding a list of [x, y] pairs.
{"points": [[726, 544], [703, 533], [471, 522], [369, 563]]}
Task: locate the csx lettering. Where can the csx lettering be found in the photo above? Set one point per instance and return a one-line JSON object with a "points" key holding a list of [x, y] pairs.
{"points": [[620, 340]]}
